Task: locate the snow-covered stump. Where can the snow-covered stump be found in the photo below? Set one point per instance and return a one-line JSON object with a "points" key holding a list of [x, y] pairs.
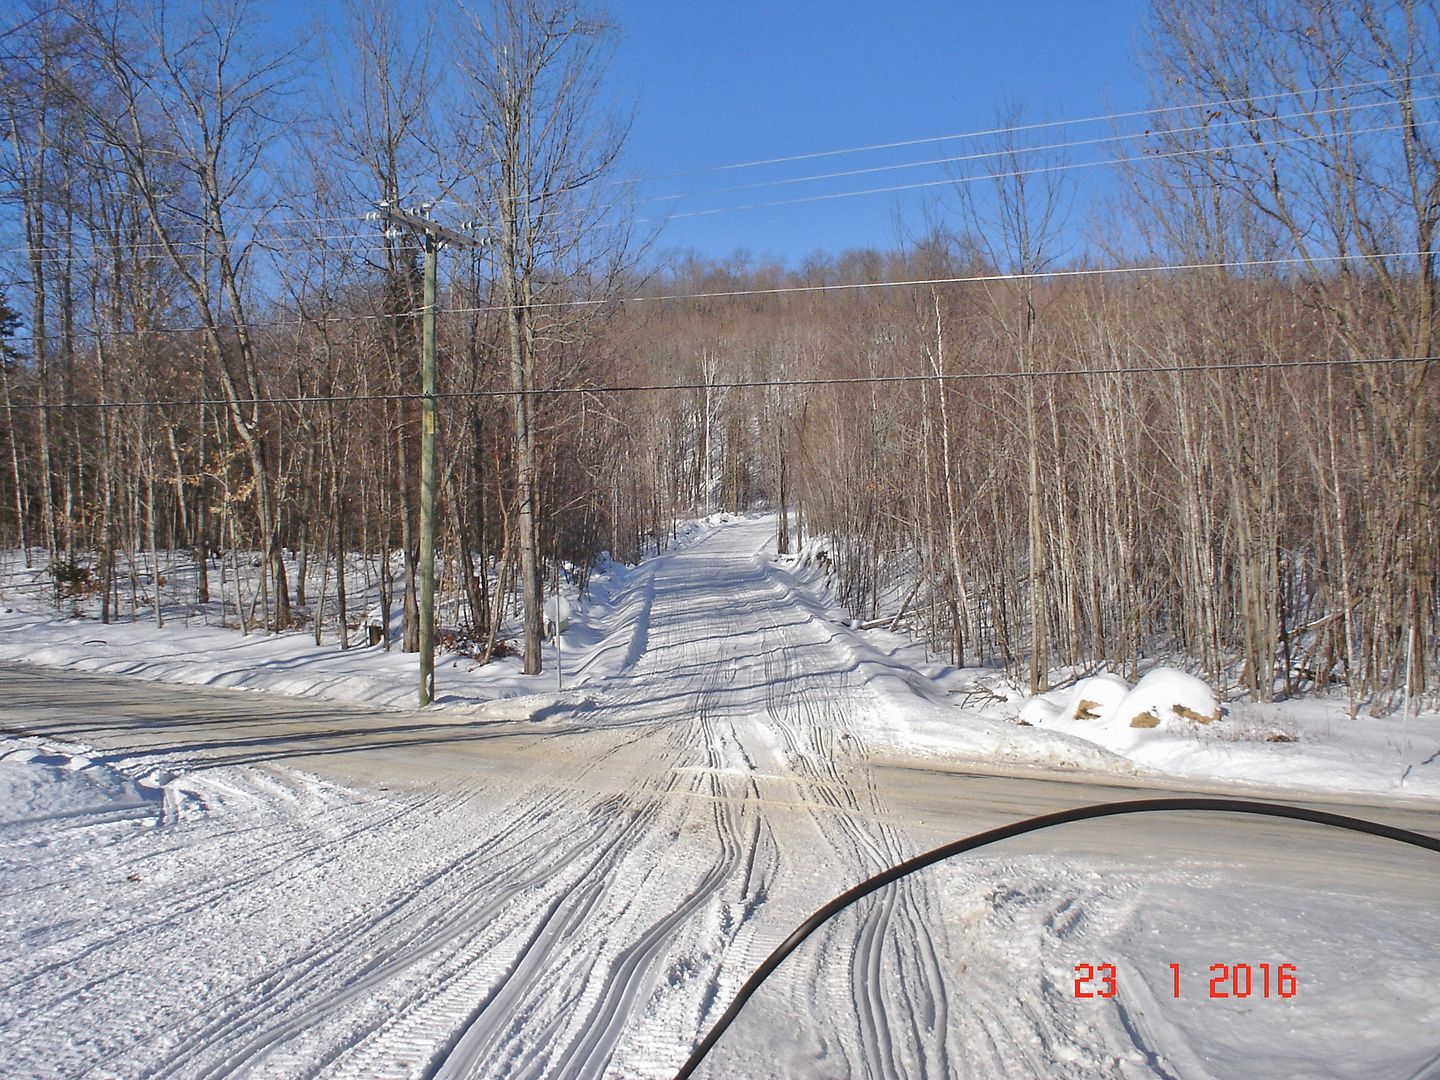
{"points": [[1105, 709]]}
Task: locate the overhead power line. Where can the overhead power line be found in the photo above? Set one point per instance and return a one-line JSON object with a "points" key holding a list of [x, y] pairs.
{"points": [[961, 180], [741, 384], [54, 253], [1009, 129], [787, 290], [1067, 144], [370, 242], [1064, 166], [967, 279], [1006, 129]]}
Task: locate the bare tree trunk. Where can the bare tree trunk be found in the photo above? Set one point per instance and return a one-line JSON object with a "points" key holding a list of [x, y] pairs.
{"points": [[521, 373]]}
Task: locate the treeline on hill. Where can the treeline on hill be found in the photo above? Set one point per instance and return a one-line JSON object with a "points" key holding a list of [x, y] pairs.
{"points": [[1032, 463]]}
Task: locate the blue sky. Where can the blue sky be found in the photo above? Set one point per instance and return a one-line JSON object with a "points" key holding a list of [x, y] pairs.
{"points": [[723, 81], [711, 83]]}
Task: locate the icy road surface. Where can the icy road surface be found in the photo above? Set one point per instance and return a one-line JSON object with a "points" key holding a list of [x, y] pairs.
{"points": [[207, 884]]}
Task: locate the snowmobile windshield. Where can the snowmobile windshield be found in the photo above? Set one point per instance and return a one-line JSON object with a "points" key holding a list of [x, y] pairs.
{"points": [[1160, 944]]}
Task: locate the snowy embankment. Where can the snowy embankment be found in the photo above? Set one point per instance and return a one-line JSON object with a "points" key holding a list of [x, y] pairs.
{"points": [[35, 785], [924, 708], [1101, 724], [603, 636]]}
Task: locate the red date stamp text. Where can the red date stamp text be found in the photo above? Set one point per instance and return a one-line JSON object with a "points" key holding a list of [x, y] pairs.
{"points": [[1224, 981]]}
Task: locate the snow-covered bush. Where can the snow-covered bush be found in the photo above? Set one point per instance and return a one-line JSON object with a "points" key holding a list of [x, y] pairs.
{"points": [[1169, 698], [557, 615], [1105, 709]]}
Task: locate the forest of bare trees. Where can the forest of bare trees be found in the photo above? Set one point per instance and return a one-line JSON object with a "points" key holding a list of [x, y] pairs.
{"points": [[1033, 457]]}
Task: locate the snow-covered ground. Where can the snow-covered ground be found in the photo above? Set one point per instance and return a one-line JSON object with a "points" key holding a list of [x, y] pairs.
{"points": [[921, 707], [576, 883]]}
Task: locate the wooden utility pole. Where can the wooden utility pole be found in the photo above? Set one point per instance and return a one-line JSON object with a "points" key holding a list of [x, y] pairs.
{"points": [[435, 237]]}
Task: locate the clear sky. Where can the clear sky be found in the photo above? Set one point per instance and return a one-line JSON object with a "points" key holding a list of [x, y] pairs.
{"points": [[711, 83], [725, 81]]}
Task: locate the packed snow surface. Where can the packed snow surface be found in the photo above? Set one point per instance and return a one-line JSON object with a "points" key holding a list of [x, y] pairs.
{"points": [[535, 882]]}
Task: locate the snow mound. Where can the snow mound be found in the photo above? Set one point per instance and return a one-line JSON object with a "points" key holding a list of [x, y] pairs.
{"points": [[1093, 698], [1106, 710], [1167, 698], [1096, 698], [35, 786]]}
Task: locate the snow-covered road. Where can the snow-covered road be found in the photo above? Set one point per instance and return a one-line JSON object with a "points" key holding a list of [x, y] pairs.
{"points": [[263, 886]]}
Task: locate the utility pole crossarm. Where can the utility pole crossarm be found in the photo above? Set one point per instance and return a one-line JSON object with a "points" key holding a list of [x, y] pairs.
{"points": [[446, 235]]}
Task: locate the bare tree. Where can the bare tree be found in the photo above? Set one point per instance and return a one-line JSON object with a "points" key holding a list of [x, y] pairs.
{"points": [[38, 104], [1324, 126], [1019, 232], [539, 147], [193, 94], [387, 130]]}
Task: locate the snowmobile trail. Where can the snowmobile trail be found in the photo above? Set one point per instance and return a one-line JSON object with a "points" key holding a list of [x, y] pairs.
{"points": [[342, 893]]}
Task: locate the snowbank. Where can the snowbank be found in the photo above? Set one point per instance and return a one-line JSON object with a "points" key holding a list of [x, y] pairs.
{"points": [[602, 635], [1171, 724]]}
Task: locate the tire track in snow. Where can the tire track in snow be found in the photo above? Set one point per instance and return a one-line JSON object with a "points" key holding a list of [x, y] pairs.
{"points": [[631, 976], [562, 923], [472, 1022], [402, 934], [806, 715], [627, 979]]}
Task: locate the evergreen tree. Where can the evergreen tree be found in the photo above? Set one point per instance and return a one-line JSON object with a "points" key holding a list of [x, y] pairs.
{"points": [[9, 324]]}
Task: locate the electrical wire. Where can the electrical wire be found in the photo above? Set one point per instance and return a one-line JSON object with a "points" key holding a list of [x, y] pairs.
{"points": [[56, 253], [968, 279], [960, 181], [1009, 129], [1048, 168], [736, 384], [373, 242], [1071, 144], [787, 290]]}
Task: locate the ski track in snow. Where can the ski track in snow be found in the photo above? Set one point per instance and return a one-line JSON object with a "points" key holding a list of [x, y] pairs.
{"points": [[586, 907]]}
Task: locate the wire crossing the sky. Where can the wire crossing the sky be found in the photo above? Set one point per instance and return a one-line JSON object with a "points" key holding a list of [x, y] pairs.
{"points": [[735, 384]]}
